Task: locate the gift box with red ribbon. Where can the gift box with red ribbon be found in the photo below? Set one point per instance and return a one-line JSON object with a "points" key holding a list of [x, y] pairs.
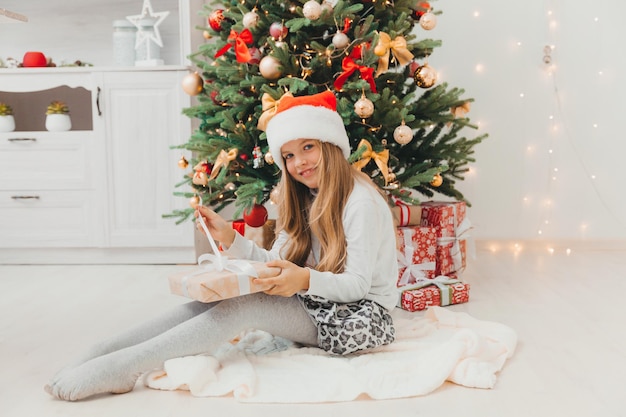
{"points": [[452, 224], [416, 252], [440, 291]]}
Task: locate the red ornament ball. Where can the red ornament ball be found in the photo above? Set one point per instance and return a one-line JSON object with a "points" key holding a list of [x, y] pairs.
{"points": [[215, 19], [278, 31], [422, 7], [256, 217], [214, 98]]}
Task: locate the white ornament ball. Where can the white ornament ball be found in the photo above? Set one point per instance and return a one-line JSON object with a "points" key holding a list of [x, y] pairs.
{"points": [[250, 19], [312, 10], [341, 40], [364, 107], [403, 134], [428, 21], [327, 8], [270, 68]]}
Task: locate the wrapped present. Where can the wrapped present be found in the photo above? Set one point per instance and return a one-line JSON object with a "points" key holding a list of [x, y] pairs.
{"points": [[452, 233], [440, 291], [416, 251], [406, 215], [218, 277], [207, 284]]}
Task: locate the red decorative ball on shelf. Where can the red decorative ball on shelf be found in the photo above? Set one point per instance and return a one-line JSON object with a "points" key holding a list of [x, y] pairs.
{"points": [[256, 217], [215, 19], [34, 59]]}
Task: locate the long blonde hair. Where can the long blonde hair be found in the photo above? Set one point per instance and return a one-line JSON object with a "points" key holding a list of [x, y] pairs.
{"points": [[303, 215]]}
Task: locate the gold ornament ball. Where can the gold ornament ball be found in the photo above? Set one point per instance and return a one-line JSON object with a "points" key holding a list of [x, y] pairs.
{"points": [[192, 84], [428, 21], [270, 68], [194, 201], [312, 10], [200, 178], [183, 163], [206, 35], [269, 158], [364, 107], [425, 76], [403, 134], [437, 180]]}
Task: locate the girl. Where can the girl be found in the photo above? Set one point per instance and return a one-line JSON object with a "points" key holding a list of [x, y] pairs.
{"points": [[336, 248]]}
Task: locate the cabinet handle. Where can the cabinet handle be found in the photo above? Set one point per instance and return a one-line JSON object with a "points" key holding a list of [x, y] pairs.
{"points": [[98, 102], [25, 197], [22, 139]]}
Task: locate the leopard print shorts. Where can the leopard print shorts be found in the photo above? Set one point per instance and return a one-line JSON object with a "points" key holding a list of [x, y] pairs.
{"points": [[350, 327]]}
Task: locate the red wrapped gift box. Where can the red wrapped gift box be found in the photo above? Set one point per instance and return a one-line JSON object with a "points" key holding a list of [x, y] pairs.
{"points": [[449, 218], [441, 291], [417, 252]]}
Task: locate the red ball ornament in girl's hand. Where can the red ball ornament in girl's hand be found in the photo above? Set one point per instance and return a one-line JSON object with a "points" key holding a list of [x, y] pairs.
{"points": [[256, 217]]}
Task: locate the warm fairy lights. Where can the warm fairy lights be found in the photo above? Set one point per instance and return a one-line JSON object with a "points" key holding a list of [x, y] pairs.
{"points": [[555, 154]]}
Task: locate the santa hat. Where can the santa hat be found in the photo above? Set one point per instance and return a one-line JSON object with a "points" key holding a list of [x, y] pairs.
{"points": [[306, 117]]}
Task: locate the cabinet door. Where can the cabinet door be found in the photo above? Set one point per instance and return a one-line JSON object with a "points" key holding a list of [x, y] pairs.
{"points": [[143, 119]]}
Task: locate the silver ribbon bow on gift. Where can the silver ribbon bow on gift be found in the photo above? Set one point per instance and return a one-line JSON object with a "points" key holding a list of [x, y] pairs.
{"points": [[406, 260], [217, 262], [442, 282]]}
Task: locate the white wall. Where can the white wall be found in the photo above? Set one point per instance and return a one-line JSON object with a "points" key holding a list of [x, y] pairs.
{"points": [[70, 30], [495, 56], [552, 166]]}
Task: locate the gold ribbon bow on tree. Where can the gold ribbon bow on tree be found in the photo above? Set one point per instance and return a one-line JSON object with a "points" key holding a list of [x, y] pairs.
{"points": [[380, 158], [398, 49], [242, 53], [270, 106], [222, 160]]}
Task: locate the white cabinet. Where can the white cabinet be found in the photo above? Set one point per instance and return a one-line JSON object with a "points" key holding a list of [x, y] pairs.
{"points": [[95, 193]]}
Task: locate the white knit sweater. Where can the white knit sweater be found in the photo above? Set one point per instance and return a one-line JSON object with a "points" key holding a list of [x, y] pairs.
{"points": [[371, 269]]}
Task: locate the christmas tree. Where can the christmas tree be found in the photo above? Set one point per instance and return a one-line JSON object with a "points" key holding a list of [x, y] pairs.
{"points": [[404, 127]]}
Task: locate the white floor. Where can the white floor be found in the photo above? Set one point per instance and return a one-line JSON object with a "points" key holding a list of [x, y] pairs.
{"points": [[566, 305]]}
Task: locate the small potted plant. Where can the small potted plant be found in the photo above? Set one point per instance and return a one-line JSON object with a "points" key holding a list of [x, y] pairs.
{"points": [[7, 122], [58, 117]]}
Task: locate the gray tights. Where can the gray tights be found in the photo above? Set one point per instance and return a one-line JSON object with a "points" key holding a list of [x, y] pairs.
{"points": [[188, 329]]}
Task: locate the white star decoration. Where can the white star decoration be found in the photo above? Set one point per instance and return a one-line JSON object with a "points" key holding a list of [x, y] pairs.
{"points": [[145, 36]]}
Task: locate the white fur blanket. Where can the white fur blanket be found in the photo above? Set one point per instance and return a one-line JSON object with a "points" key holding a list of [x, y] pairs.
{"points": [[430, 349]]}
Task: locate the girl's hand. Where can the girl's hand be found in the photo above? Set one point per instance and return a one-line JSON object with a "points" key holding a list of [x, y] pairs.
{"points": [[218, 227], [291, 279]]}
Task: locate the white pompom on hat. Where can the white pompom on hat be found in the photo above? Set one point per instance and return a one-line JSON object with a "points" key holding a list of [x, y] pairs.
{"points": [[306, 117]]}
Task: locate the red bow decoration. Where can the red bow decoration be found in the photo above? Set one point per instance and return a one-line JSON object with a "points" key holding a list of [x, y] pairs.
{"points": [[349, 67], [241, 50]]}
